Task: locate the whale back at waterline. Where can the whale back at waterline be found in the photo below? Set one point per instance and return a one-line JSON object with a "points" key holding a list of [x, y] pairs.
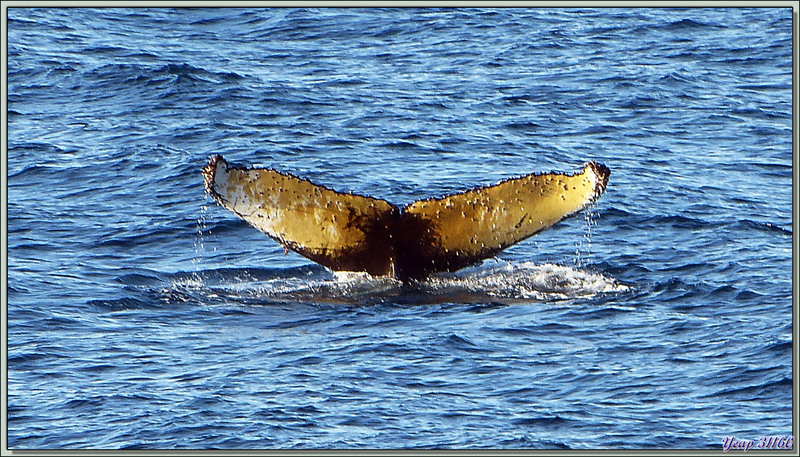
{"points": [[350, 232]]}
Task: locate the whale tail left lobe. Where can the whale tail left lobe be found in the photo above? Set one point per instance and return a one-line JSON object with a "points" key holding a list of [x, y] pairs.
{"points": [[344, 232]]}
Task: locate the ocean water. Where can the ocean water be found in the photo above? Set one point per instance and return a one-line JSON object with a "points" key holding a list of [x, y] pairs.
{"points": [[142, 315]]}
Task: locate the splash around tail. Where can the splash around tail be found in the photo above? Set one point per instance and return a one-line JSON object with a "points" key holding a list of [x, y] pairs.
{"points": [[498, 282]]}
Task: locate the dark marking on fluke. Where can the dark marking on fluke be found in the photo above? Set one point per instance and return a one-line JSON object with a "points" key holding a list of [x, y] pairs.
{"points": [[350, 232]]}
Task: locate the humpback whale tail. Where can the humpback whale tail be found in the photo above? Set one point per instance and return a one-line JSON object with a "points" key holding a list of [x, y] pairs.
{"points": [[349, 232]]}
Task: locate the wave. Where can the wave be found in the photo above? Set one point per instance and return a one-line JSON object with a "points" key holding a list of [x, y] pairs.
{"points": [[687, 25], [149, 80]]}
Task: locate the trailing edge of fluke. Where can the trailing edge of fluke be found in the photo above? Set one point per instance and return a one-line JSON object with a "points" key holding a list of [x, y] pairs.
{"points": [[347, 232]]}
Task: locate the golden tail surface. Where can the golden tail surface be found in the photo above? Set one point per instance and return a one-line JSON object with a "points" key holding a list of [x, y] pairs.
{"points": [[348, 232]]}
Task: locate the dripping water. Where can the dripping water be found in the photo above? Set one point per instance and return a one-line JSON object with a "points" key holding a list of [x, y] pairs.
{"points": [[201, 229], [583, 247]]}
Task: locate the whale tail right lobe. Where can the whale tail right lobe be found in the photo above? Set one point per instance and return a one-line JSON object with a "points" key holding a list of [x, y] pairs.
{"points": [[459, 230]]}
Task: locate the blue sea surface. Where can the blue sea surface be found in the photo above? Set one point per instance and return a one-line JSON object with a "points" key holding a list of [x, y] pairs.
{"points": [[141, 315]]}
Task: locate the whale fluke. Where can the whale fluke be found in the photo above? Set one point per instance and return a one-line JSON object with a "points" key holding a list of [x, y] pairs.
{"points": [[349, 232]]}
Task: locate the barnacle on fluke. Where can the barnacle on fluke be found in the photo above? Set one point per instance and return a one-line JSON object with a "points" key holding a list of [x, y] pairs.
{"points": [[350, 232]]}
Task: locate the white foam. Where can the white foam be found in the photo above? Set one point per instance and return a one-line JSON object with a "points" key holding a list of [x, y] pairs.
{"points": [[492, 279], [528, 280]]}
